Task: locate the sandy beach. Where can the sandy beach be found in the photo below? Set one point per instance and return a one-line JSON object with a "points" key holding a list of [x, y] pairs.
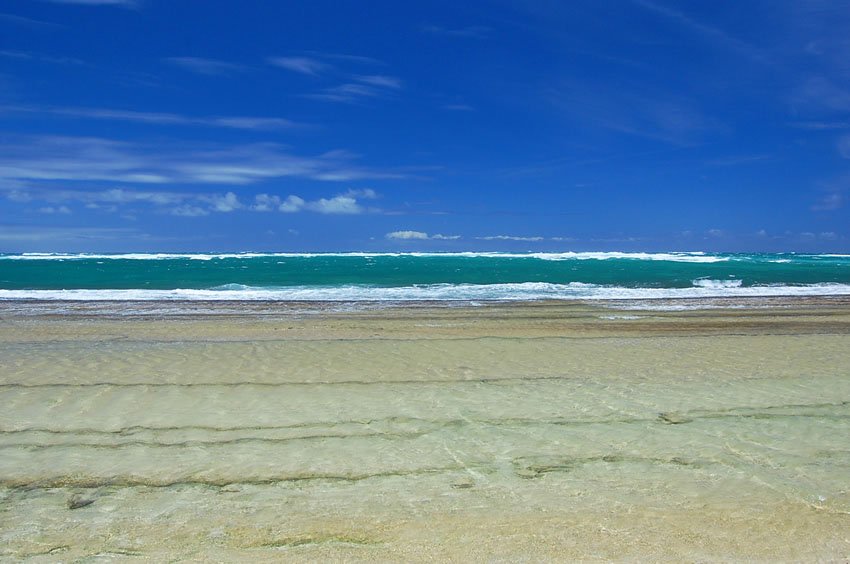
{"points": [[513, 432]]}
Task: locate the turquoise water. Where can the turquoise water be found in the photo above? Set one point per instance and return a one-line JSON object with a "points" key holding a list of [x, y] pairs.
{"points": [[362, 276]]}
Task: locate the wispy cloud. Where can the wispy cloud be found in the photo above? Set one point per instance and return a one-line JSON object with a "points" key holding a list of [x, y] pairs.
{"points": [[829, 202], [259, 123], [343, 57], [473, 31], [820, 125], [844, 146], [356, 87], [366, 87], [26, 22], [419, 236], [101, 199], [737, 160], [55, 158], [633, 109], [834, 193], [28, 234], [380, 80], [210, 67], [233, 122], [458, 108], [710, 33], [303, 65], [124, 3], [39, 58], [348, 93], [820, 93]]}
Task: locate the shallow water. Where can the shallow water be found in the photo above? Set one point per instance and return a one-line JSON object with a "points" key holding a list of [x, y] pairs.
{"points": [[536, 432]]}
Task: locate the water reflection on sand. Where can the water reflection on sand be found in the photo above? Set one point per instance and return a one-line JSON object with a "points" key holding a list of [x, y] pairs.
{"points": [[506, 431]]}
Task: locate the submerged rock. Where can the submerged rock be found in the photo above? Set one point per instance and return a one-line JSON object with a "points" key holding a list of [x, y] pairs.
{"points": [[463, 483], [77, 502], [673, 418]]}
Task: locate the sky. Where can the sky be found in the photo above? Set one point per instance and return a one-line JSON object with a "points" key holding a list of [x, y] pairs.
{"points": [[346, 125]]}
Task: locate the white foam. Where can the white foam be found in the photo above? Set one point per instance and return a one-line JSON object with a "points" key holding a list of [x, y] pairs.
{"points": [[528, 291], [717, 284]]}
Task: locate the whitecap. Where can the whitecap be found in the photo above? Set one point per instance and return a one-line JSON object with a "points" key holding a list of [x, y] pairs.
{"points": [[527, 291]]}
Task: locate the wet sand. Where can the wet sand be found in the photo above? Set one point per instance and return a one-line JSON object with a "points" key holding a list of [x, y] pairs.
{"points": [[533, 432]]}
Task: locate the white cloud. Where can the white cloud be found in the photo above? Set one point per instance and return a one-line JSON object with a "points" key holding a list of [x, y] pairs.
{"points": [[191, 204], [189, 211], [337, 204], [346, 203], [303, 65], [266, 203], [407, 235], [55, 209], [226, 203], [292, 204], [102, 207], [419, 235], [510, 238], [200, 65], [123, 196]]}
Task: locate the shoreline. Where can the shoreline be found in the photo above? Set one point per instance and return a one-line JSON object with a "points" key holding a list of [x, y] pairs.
{"points": [[22, 305]]}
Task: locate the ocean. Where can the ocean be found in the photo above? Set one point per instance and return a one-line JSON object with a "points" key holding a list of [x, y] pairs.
{"points": [[394, 277]]}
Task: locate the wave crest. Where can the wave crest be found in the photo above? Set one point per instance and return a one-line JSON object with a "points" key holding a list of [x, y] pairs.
{"points": [[716, 284], [528, 291]]}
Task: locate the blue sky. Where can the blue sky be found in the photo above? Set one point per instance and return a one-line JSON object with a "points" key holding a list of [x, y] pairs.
{"points": [[212, 125]]}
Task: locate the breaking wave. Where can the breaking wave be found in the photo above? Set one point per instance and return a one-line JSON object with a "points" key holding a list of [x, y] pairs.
{"points": [[528, 291]]}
